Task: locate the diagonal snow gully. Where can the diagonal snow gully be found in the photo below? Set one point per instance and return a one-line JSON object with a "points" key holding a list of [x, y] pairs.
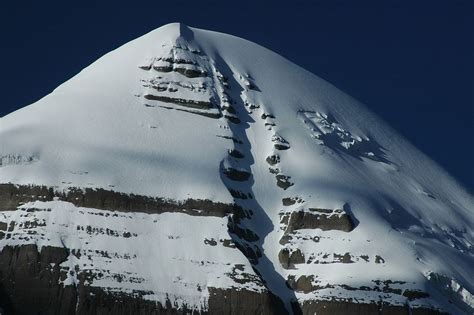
{"points": [[252, 229]]}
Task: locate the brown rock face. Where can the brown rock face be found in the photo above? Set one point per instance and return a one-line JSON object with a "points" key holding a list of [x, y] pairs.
{"points": [[320, 219], [284, 182], [273, 159], [288, 259], [342, 308], [12, 196], [28, 283], [349, 307], [180, 101], [302, 284], [236, 175], [230, 301]]}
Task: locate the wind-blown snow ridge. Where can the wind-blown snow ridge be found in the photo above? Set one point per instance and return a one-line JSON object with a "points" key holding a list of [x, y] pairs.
{"points": [[333, 202]]}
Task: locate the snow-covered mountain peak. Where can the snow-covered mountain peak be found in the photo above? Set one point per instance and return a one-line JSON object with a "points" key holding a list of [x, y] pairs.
{"points": [[174, 35], [252, 174]]}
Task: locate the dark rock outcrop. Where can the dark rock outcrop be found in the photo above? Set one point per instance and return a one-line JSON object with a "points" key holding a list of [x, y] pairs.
{"points": [[288, 201], [239, 195], [236, 154], [233, 119], [266, 115], [163, 68], [236, 175], [345, 259], [283, 181], [350, 307], [233, 301], [273, 159], [288, 259], [323, 219], [180, 101], [12, 196], [302, 284], [190, 73], [280, 146], [29, 281]]}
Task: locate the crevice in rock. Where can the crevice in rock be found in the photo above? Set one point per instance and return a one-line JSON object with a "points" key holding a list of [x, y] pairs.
{"points": [[251, 247]]}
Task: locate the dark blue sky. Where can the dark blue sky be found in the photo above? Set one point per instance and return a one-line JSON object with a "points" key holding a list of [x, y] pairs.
{"points": [[411, 63]]}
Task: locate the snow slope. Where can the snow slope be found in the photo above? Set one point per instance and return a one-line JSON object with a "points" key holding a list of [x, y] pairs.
{"points": [[159, 117]]}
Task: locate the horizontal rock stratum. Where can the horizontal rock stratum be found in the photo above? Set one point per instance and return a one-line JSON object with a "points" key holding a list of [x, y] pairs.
{"points": [[194, 172]]}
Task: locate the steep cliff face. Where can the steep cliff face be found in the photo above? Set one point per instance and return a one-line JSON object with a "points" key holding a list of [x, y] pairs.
{"points": [[195, 172]]}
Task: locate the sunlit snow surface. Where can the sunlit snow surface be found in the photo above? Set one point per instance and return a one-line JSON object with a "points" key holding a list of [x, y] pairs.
{"points": [[98, 130]]}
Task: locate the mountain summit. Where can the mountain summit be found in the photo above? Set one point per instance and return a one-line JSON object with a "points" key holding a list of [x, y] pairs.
{"points": [[190, 171]]}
